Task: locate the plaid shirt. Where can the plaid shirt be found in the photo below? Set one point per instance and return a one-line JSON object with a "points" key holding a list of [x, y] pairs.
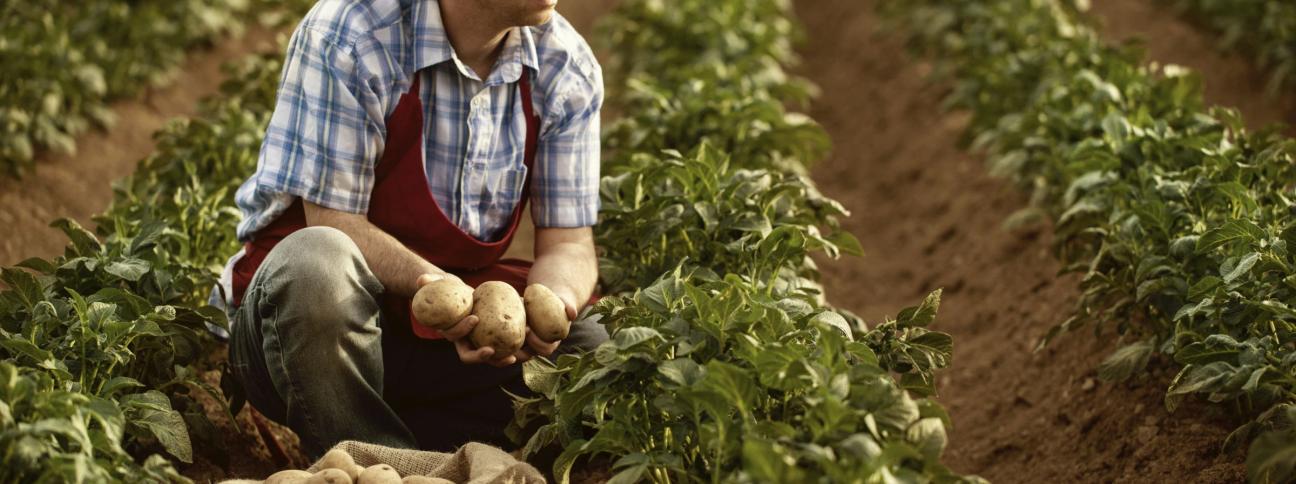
{"points": [[347, 66]]}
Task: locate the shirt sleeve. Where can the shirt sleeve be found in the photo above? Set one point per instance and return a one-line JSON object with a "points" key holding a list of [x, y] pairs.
{"points": [[565, 187], [327, 129]]}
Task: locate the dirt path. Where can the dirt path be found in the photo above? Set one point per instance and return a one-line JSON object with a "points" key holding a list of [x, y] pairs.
{"points": [[929, 217], [79, 186], [1230, 77]]}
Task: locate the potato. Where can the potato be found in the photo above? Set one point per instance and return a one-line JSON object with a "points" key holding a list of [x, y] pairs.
{"points": [[355, 471], [502, 318], [379, 474], [340, 460], [441, 304], [330, 476], [290, 476], [546, 313], [425, 480]]}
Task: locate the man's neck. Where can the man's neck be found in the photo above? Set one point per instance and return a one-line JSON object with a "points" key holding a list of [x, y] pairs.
{"points": [[475, 35]]}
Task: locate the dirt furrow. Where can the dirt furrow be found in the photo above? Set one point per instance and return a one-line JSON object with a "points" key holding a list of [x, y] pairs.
{"points": [[79, 185], [1230, 78], [930, 217]]}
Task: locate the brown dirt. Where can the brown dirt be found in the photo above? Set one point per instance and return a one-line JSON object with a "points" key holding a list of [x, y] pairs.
{"points": [[930, 217], [75, 186], [1231, 79]]}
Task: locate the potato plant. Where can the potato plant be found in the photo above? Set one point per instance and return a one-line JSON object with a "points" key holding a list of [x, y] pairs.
{"points": [[98, 346], [725, 365], [1178, 217], [1265, 29], [719, 379], [735, 116], [65, 60], [700, 210]]}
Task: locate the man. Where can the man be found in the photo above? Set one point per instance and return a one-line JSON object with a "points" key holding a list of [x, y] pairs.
{"points": [[407, 137]]}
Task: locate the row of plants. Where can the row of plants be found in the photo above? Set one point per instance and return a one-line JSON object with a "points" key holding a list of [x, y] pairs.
{"points": [[725, 364], [1180, 220], [64, 61], [100, 348], [1265, 28]]}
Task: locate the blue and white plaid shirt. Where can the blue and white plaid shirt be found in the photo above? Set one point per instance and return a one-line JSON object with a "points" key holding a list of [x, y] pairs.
{"points": [[348, 64]]}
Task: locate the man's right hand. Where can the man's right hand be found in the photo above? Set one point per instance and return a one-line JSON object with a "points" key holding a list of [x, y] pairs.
{"points": [[458, 334]]}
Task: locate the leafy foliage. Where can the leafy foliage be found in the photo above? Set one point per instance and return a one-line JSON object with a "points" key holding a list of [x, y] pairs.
{"points": [[97, 346], [661, 210], [725, 364], [1266, 28], [64, 60], [1179, 219], [717, 379]]}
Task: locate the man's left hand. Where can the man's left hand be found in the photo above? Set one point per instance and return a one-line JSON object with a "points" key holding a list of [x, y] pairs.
{"points": [[537, 347]]}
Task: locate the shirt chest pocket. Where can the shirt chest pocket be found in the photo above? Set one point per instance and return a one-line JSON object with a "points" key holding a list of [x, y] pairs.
{"points": [[493, 195]]}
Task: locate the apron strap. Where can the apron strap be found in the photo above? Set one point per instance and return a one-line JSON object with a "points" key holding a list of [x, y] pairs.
{"points": [[532, 122]]}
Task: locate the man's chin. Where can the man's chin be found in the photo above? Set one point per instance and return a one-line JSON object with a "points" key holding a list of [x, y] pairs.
{"points": [[538, 18]]}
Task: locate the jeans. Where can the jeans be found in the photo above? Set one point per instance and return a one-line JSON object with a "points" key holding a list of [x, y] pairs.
{"points": [[314, 349]]}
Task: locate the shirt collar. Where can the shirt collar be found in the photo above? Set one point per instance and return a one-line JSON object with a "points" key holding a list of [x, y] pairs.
{"points": [[432, 45]]}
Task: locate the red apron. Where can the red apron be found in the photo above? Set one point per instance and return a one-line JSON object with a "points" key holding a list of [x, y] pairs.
{"points": [[402, 205]]}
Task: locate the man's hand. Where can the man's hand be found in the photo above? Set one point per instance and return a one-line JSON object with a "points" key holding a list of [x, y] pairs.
{"points": [[565, 263], [458, 334]]}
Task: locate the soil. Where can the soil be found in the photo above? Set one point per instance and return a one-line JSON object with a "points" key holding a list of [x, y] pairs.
{"points": [[926, 212], [75, 185], [930, 217], [1231, 79]]}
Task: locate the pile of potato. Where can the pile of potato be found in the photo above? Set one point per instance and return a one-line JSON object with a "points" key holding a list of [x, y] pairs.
{"points": [[337, 467], [502, 315]]}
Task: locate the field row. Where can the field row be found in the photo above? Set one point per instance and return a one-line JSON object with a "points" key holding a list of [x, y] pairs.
{"points": [[1179, 219], [725, 362], [99, 346], [1266, 29], [64, 61]]}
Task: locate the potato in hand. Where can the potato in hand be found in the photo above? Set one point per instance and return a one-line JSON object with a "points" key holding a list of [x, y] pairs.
{"points": [[442, 303], [501, 318], [546, 313]]}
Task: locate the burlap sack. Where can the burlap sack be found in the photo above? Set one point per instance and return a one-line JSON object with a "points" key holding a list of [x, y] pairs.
{"points": [[472, 464]]}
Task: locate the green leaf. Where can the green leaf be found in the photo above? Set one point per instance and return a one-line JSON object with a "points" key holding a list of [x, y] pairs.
{"points": [[833, 320], [1231, 231], [1272, 457], [846, 242], [928, 436], [1125, 362], [629, 475], [130, 269], [767, 461], [1198, 378], [83, 241], [152, 412], [921, 315], [683, 372], [1242, 267], [28, 289], [731, 383], [625, 338]]}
